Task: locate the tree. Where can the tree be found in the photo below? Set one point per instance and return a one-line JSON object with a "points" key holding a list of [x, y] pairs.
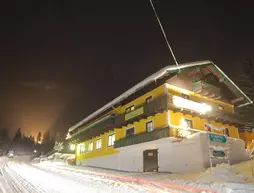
{"points": [[4, 135], [46, 137], [38, 137], [18, 135], [31, 138]]}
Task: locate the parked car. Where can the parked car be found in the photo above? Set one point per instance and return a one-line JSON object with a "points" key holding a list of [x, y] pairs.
{"points": [[10, 154], [43, 158], [71, 160], [35, 160]]}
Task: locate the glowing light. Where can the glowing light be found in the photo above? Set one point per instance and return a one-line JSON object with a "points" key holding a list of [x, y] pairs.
{"points": [[184, 128], [39, 142], [35, 151], [72, 147], [191, 105]]}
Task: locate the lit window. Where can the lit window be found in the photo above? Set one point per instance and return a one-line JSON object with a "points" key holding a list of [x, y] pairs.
{"points": [[81, 149], [149, 126], [185, 96], [129, 132], [98, 143], [90, 146], [129, 109], [149, 99], [220, 107], [111, 140], [189, 123], [191, 105], [226, 132], [208, 128]]}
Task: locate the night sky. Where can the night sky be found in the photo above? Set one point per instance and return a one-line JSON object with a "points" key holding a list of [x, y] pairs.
{"points": [[61, 61]]}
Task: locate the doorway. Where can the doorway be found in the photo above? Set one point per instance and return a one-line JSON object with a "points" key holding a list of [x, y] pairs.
{"points": [[150, 160]]}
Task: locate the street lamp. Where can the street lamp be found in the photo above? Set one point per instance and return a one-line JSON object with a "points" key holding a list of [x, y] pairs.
{"points": [[72, 147]]}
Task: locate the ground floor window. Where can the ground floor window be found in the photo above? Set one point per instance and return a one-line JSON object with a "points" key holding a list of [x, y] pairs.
{"points": [[129, 132], [149, 126], [98, 143], [90, 146], [111, 140], [81, 148], [226, 132]]}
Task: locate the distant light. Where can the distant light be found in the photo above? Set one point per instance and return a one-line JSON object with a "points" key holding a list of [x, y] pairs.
{"points": [[191, 105], [72, 147], [35, 151], [39, 142]]}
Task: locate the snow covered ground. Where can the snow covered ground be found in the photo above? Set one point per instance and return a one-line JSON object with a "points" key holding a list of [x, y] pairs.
{"points": [[18, 175]]}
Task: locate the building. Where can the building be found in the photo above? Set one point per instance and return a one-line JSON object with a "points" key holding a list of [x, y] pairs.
{"points": [[140, 130]]}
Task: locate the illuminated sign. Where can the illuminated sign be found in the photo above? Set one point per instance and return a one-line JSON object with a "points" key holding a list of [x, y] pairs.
{"points": [[191, 105], [134, 113]]}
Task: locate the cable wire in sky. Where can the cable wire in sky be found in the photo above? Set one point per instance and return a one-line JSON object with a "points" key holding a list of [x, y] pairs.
{"points": [[165, 36]]}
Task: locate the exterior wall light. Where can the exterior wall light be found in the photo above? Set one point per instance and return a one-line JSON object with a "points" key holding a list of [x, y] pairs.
{"points": [[72, 147], [191, 105]]}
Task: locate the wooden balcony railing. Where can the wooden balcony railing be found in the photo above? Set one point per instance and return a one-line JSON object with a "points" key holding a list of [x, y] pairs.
{"points": [[142, 137]]}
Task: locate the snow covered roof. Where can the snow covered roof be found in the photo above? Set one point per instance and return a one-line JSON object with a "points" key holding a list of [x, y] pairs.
{"points": [[154, 77]]}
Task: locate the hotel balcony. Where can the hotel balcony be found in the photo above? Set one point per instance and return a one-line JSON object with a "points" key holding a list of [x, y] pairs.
{"points": [[142, 137]]}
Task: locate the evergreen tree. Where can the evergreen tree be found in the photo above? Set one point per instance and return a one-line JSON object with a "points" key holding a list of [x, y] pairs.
{"points": [[31, 138], [46, 137], [4, 135], [39, 137], [18, 135]]}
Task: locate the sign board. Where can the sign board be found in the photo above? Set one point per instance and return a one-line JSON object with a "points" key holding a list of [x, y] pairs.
{"points": [[217, 153], [218, 147], [134, 113], [217, 138]]}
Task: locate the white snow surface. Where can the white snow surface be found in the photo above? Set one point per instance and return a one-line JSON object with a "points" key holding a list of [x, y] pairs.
{"points": [[18, 175]]}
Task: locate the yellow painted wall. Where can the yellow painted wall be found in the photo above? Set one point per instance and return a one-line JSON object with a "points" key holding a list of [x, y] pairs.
{"points": [[198, 98], [247, 136], [159, 121], [104, 150], [199, 124], [141, 100]]}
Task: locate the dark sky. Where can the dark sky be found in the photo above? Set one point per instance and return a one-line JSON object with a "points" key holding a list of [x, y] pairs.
{"points": [[62, 60]]}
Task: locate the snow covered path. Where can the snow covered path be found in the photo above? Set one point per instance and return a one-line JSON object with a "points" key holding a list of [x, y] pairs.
{"points": [[20, 176]]}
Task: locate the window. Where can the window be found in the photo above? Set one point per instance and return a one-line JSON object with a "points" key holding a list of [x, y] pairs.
{"points": [[129, 109], [90, 146], [98, 143], [185, 96], [149, 126], [208, 128], [189, 123], [149, 99], [226, 132], [129, 132], [111, 140], [220, 107], [81, 149]]}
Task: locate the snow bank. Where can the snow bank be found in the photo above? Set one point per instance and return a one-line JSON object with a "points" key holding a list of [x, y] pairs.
{"points": [[221, 173]]}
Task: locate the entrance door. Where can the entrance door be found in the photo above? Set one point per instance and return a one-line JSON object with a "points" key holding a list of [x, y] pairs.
{"points": [[150, 160]]}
